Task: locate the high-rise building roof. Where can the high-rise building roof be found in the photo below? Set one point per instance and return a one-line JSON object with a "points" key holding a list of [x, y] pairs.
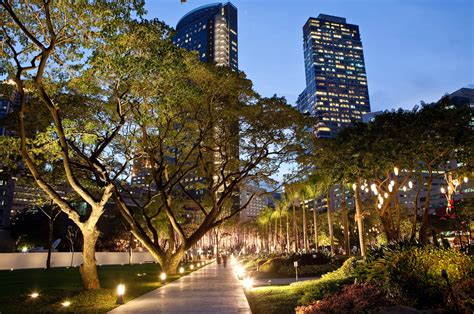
{"points": [[211, 30]]}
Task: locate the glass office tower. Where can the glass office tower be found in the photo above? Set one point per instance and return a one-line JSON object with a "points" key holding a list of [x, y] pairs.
{"points": [[211, 30], [336, 90]]}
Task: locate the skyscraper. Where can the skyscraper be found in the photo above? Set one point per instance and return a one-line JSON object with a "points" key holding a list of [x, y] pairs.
{"points": [[211, 30], [336, 83]]}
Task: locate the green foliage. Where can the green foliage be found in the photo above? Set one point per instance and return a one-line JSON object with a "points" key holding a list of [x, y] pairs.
{"points": [[412, 274]]}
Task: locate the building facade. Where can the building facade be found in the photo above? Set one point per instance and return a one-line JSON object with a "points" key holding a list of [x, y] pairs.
{"points": [[211, 30], [336, 90]]}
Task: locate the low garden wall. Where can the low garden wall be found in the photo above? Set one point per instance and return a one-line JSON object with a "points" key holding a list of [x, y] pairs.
{"points": [[63, 259]]}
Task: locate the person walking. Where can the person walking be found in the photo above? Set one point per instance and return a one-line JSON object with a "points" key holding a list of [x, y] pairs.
{"points": [[224, 260]]}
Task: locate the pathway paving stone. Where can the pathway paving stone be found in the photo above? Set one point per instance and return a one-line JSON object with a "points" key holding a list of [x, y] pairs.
{"points": [[211, 289]]}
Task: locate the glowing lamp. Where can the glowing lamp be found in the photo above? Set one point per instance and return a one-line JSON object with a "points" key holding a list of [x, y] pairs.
{"points": [[248, 283], [199, 265], [120, 293], [163, 276], [24, 249], [354, 186], [404, 188], [410, 185], [385, 195], [392, 182], [443, 190], [380, 199], [191, 267], [240, 271], [181, 270], [366, 190], [373, 187], [465, 179], [34, 295], [66, 303], [395, 171], [390, 188]]}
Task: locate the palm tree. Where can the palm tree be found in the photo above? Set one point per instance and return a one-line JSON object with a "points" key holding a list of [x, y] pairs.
{"points": [[293, 195], [264, 221], [311, 193], [324, 182], [345, 219]]}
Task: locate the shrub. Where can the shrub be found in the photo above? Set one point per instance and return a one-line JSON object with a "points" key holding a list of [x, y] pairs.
{"points": [[272, 265], [412, 276], [355, 298], [329, 283], [306, 270], [464, 297], [310, 259]]}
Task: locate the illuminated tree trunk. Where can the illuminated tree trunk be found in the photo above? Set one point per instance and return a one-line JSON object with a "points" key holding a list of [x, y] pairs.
{"points": [[295, 231], [88, 269], [305, 238], [426, 210], [287, 233], [359, 218], [345, 221], [315, 224], [330, 224]]}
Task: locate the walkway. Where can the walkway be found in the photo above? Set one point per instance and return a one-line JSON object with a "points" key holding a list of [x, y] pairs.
{"points": [[211, 289]]}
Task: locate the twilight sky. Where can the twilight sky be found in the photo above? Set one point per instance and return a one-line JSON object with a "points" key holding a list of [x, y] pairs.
{"points": [[414, 49]]}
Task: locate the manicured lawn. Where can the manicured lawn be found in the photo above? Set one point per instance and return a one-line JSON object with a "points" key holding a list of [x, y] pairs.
{"points": [[284, 299], [276, 299], [59, 284]]}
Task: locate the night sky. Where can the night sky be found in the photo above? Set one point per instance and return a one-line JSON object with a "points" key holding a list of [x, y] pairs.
{"points": [[414, 49]]}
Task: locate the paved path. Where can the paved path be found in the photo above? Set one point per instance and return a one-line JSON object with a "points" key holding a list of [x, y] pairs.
{"points": [[211, 289]]}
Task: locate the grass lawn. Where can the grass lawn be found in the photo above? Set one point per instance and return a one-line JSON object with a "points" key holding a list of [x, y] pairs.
{"points": [[59, 284], [275, 299], [284, 299]]}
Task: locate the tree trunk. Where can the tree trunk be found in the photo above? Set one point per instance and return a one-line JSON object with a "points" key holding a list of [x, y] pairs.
{"points": [[315, 223], [281, 234], [50, 242], [171, 264], [331, 229], [88, 268], [295, 232], [345, 221], [359, 219], [426, 211], [287, 233], [415, 212], [275, 235], [305, 238]]}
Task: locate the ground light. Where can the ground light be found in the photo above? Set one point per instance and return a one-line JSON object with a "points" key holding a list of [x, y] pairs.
{"points": [[34, 295], [120, 293], [240, 271], [163, 278], [248, 283], [181, 270], [66, 303]]}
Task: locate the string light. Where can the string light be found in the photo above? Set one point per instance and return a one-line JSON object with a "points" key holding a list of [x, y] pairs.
{"points": [[410, 185], [395, 171]]}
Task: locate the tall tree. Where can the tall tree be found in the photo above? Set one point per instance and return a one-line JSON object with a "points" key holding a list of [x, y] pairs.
{"points": [[45, 44]]}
